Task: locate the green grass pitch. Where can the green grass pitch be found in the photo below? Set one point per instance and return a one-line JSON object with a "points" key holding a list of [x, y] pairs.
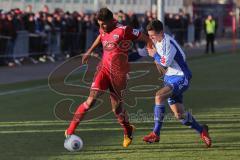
{"points": [[29, 129]]}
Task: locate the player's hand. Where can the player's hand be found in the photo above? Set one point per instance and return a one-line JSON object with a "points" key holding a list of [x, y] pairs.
{"points": [[151, 51], [85, 58]]}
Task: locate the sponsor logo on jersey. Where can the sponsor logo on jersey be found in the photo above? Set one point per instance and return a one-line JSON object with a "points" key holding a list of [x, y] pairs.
{"points": [[163, 60], [108, 45]]}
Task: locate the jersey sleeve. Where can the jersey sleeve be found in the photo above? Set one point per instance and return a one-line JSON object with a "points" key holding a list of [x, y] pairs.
{"points": [[131, 34], [169, 52]]}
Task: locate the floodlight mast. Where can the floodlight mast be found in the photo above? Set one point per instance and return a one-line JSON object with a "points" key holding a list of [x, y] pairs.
{"points": [[160, 10]]}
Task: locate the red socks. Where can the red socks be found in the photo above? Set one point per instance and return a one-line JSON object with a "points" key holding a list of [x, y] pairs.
{"points": [[120, 113], [122, 118], [78, 116]]}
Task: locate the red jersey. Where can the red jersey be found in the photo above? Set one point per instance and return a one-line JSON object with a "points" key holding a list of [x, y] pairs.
{"points": [[115, 48]]}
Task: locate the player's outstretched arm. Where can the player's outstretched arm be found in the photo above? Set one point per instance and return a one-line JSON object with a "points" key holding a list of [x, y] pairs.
{"points": [[161, 69], [95, 44], [157, 59]]}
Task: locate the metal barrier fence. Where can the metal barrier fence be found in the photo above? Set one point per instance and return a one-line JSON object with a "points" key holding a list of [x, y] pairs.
{"points": [[55, 43]]}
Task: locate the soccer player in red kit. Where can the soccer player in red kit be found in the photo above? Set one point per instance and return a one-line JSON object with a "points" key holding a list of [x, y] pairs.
{"points": [[112, 71]]}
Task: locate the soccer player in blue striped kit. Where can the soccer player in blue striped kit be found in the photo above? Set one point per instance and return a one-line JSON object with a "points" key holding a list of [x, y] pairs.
{"points": [[170, 57]]}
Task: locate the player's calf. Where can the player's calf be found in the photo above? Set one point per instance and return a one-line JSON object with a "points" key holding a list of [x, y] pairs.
{"points": [[78, 116], [189, 120]]}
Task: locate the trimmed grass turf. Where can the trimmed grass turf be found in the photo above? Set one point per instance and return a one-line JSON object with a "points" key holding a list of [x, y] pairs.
{"points": [[29, 129]]}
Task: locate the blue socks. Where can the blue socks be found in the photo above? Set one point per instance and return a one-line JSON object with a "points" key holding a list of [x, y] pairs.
{"points": [[190, 121], [159, 111]]}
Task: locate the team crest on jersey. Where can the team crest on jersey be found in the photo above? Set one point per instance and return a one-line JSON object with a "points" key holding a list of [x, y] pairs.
{"points": [[135, 32], [115, 36]]}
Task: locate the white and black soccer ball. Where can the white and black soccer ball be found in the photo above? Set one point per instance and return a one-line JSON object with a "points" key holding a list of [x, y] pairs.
{"points": [[73, 143]]}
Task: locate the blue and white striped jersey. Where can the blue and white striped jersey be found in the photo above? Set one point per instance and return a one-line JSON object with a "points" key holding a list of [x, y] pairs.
{"points": [[171, 56]]}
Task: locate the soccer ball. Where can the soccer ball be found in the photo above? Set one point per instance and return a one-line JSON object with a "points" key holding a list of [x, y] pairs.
{"points": [[73, 143]]}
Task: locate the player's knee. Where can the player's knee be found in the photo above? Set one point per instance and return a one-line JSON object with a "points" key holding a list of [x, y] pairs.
{"points": [[159, 99], [90, 101], [161, 96], [115, 111], [86, 105]]}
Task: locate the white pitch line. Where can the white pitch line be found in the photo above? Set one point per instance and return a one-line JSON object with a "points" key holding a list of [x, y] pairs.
{"points": [[22, 90], [54, 121], [46, 87], [206, 117], [176, 130], [29, 125], [30, 89], [59, 130]]}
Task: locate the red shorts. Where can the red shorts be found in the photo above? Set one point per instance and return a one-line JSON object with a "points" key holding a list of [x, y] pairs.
{"points": [[116, 83]]}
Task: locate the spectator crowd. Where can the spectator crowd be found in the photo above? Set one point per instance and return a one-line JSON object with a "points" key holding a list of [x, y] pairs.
{"points": [[50, 36]]}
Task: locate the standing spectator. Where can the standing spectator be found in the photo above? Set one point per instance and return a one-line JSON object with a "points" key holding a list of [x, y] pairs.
{"points": [[39, 24], [71, 34], [169, 23], [82, 31], [197, 29], [183, 26], [121, 18], [133, 20], [30, 24], [28, 9], [178, 29], [50, 30], [45, 9], [190, 33], [210, 28], [18, 22], [10, 32], [26, 14], [147, 18], [2, 45]]}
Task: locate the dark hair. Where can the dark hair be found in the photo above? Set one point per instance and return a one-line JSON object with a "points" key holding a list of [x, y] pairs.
{"points": [[155, 25], [104, 14]]}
